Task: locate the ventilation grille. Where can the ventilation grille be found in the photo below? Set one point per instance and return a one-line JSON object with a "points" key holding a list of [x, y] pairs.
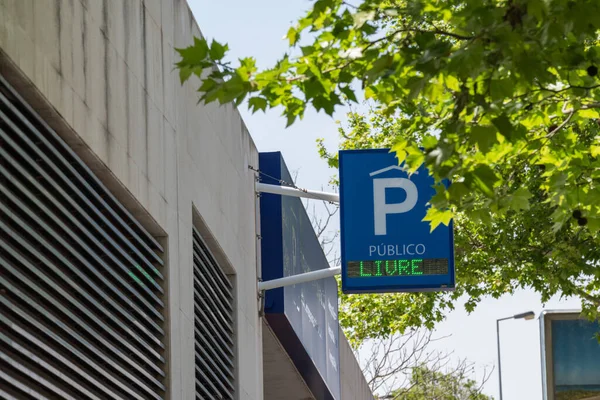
{"points": [[213, 312], [81, 309]]}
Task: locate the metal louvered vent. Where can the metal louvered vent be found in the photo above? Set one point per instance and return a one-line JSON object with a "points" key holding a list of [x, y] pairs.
{"points": [[213, 326], [81, 308]]}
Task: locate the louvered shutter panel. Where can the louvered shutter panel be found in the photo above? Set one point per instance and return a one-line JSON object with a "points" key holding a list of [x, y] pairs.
{"points": [[213, 322], [81, 281]]}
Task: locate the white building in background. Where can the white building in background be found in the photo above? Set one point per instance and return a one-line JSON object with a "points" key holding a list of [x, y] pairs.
{"points": [[130, 242]]}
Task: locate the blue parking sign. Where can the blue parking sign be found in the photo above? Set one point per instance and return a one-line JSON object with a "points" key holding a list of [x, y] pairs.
{"points": [[386, 246]]}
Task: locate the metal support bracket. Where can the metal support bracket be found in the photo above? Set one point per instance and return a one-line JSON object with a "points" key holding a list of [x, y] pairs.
{"points": [[300, 278], [261, 299], [307, 276], [294, 192]]}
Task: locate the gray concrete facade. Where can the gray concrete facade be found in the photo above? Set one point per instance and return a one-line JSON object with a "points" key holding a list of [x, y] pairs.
{"points": [[101, 73]]}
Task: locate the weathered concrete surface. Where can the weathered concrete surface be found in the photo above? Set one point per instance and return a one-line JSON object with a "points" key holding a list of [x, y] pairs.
{"points": [[106, 68], [352, 380]]}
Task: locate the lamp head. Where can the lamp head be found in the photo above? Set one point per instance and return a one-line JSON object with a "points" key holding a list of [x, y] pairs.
{"points": [[526, 315]]}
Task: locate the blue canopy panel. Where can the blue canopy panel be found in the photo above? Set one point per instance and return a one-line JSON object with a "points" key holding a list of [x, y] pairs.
{"points": [[303, 316]]}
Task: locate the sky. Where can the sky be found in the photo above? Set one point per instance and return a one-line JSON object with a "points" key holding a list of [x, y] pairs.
{"points": [[256, 28]]}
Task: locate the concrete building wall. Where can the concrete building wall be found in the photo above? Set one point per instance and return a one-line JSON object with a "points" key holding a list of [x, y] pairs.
{"points": [[106, 68], [352, 381]]}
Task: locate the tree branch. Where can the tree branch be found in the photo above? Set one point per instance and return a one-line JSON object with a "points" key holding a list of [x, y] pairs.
{"points": [[443, 33], [388, 37], [589, 297], [558, 128]]}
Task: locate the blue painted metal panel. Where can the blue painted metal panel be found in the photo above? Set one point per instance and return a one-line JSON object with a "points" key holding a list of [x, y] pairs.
{"points": [[271, 231], [303, 316], [386, 247]]}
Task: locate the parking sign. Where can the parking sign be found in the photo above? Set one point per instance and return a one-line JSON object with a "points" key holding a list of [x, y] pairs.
{"points": [[386, 247]]}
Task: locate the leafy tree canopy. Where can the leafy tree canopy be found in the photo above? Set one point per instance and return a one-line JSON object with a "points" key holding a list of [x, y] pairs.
{"points": [[426, 384], [504, 98]]}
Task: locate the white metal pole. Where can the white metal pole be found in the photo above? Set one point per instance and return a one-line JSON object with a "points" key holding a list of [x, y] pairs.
{"points": [[290, 191], [300, 278]]}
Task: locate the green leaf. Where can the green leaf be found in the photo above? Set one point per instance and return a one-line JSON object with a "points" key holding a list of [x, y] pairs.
{"points": [[429, 142], [519, 200], [362, 17], [501, 89], [437, 217], [307, 50], [484, 136], [537, 9], [290, 118], [197, 53], [414, 159], [502, 123], [313, 87], [349, 93], [589, 113], [415, 85], [370, 93], [207, 85], [441, 198], [257, 103], [292, 36], [452, 83], [593, 225], [326, 103], [217, 50], [559, 217], [484, 179], [482, 216], [458, 190], [378, 67], [184, 74], [399, 147]]}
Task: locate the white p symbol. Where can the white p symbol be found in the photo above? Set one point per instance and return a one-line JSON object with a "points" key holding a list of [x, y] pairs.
{"points": [[381, 209]]}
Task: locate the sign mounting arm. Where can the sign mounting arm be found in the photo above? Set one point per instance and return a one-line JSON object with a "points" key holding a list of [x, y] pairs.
{"points": [[300, 278], [307, 276], [291, 191]]}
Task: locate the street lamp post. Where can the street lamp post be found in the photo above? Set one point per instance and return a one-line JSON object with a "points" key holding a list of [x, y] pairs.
{"points": [[527, 316]]}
